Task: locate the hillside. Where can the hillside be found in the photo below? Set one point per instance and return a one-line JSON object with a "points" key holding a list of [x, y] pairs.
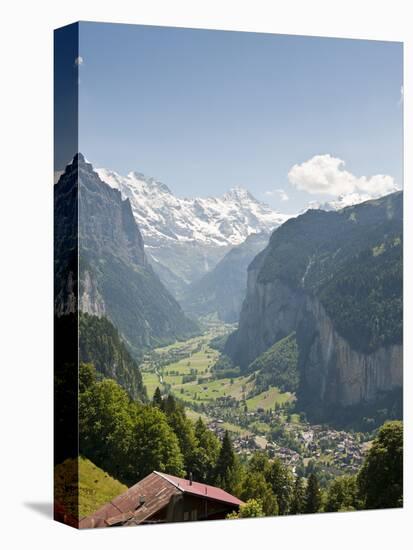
{"points": [[221, 291], [115, 278], [336, 256], [335, 278], [100, 344], [278, 366], [95, 487]]}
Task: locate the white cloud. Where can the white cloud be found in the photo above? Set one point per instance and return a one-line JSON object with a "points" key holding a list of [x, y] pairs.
{"points": [[325, 175], [79, 61], [278, 192], [401, 99]]}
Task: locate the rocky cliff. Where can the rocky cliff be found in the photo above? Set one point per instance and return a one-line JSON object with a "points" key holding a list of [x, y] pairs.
{"points": [[335, 375], [115, 278], [335, 278]]}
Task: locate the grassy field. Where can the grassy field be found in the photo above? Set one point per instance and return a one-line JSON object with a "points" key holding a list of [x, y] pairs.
{"points": [[267, 399], [261, 427], [200, 362], [151, 381], [95, 486], [211, 390], [233, 428]]}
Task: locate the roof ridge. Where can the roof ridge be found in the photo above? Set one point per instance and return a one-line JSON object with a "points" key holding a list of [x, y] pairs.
{"points": [[166, 478]]}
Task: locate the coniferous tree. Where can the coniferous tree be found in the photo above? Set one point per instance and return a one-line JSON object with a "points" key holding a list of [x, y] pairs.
{"points": [[298, 499], [312, 496], [157, 398], [226, 458], [169, 404], [227, 468]]}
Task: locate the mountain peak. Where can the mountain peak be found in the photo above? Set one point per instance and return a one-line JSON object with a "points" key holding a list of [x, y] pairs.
{"points": [[152, 183], [238, 193], [78, 161], [208, 221], [79, 158]]}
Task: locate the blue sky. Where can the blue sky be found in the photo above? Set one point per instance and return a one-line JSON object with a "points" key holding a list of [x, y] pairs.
{"points": [[205, 110]]}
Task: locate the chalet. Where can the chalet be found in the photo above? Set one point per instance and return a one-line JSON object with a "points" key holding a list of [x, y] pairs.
{"points": [[162, 498]]}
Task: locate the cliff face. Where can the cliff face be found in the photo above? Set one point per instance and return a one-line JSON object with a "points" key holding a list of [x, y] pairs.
{"points": [[335, 374], [66, 242], [336, 280], [104, 245], [270, 312]]}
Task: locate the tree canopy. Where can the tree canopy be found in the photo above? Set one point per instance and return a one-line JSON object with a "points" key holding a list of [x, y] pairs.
{"points": [[381, 477]]}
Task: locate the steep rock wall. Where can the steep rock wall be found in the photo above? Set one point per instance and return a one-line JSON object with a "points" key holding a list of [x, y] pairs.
{"points": [[334, 374]]}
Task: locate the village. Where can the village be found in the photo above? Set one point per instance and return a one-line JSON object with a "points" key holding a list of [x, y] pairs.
{"points": [[333, 452]]}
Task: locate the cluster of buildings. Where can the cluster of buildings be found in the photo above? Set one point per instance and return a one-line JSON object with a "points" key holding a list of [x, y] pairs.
{"points": [[337, 451]]}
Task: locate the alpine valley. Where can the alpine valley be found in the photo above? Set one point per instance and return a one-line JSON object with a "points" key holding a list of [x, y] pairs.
{"points": [[220, 339]]}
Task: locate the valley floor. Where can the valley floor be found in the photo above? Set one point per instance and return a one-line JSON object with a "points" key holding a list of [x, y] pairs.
{"points": [[267, 420]]}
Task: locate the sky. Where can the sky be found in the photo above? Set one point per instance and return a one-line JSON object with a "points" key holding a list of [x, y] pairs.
{"points": [[293, 119]]}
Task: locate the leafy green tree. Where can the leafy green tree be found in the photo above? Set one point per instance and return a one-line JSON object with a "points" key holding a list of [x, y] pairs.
{"points": [[157, 398], [106, 426], [154, 446], [185, 433], [259, 463], [298, 499], [87, 376], [381, 478], [206, 453], [251, 509], [282, 482], [312, 496], [126, 439], [256, 487], [277, 475], [342, 495]]}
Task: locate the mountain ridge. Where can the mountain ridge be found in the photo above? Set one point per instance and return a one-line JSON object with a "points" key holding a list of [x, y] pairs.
{"points": [[336, 279], [115, 278], [186, 237]]}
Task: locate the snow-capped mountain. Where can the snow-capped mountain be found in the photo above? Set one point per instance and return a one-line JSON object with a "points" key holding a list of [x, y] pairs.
{"points": [[186, 237], [217, 221], [350, 199]]}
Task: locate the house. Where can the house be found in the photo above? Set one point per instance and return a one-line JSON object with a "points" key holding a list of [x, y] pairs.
{"points": [[162, 498]]}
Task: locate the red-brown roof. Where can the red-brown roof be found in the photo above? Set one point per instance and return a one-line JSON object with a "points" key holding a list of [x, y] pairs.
{"points": [[157, 489], [201, 489]]}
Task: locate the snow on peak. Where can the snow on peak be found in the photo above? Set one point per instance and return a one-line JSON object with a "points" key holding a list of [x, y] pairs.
{"points": [[216, 221], [340, 202], [238, 194]]}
